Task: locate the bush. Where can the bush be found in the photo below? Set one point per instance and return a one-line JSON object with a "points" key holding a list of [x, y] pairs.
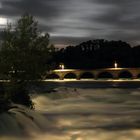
{"points": [[4, 102], [19, 94]]}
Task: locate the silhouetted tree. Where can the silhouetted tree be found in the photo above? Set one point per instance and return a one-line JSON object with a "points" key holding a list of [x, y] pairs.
{"points": [[136, 56], [25, 51], [25, 55], [98, 53]]}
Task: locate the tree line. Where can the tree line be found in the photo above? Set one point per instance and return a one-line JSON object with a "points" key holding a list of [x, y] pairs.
{"points": [[99, 53], [25, 56]]}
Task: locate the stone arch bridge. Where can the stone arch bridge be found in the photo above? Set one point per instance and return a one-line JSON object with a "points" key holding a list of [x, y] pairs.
{"points": [[114, 73]]}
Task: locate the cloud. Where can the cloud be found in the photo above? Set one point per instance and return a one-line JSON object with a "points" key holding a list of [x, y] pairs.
{"points": [[41, 8], [75, 19], [124, 19]]}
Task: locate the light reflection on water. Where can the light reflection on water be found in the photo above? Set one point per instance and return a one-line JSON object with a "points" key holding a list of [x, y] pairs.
{"points": [[85, 111], [94, 80]]}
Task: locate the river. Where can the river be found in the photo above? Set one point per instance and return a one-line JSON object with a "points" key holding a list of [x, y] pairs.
{"points": [[77, 110]]}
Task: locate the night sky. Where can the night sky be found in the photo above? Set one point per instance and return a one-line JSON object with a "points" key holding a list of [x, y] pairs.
{"points": [[73, 21]]}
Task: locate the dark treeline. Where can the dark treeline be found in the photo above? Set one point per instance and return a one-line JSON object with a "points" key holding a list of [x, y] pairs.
{"points": [[98, 53], [25, 55]]}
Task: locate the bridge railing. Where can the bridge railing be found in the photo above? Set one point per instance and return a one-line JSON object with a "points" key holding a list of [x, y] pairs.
{"points": [[110, 73]]}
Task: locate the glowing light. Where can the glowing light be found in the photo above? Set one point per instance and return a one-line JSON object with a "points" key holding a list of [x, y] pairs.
{"points": [[79, 138], [61, 66], [3, 21], [116, 64]]}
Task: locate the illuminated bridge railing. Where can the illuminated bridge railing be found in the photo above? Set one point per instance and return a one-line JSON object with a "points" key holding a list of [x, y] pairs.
{"points": [[110, 73]]}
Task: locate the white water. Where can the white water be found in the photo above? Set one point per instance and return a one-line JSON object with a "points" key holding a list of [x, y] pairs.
{"points": [[76, 114]]}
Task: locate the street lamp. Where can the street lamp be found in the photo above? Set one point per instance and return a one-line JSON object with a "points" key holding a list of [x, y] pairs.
{"points": [[116, 64], [61, 66]]}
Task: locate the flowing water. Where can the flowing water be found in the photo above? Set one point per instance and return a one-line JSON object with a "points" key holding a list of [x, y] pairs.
{"points": [[76, 111]]}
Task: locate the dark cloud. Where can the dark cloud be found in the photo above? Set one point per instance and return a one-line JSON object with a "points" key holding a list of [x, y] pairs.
{"points": [[123, 17], [71, 22], [123, 14], [40, 8]]}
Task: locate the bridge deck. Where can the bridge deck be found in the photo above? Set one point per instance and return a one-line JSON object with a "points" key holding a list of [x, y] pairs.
{"points": [[115, 73]]}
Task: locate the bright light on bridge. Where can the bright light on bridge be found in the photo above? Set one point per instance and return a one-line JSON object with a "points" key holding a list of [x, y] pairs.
{"points": [[61, 66], [116, 65]]}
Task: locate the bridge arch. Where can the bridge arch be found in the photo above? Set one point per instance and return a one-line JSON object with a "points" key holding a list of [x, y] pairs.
{"points": [[125, 74], [105, 74], [70, 75], [53, 76], [87, 75]]}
